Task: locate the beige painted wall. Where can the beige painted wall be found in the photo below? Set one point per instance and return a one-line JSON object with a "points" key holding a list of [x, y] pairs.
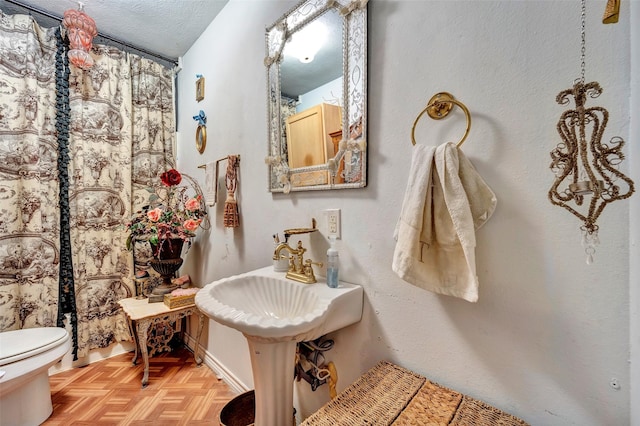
{"points": [[549, 332]]}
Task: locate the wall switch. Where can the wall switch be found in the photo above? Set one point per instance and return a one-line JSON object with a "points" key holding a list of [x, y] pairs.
{"points": [[333, 222]]}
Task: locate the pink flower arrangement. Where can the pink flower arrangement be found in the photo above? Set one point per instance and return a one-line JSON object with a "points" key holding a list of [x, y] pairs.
{"points": [[172, 212], [192, 204], [191, 224], [154, 215]]}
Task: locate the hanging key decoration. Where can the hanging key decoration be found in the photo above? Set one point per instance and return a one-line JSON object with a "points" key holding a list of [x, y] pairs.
{"points": [[586, 169]]}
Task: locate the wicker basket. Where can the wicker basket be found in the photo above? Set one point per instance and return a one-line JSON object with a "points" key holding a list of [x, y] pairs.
{"points": [[376, 398], [474, 412], [432, 405], [391, 395]]}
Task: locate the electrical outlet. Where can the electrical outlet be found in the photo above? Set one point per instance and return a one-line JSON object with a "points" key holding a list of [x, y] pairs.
{"points": [[333, 222]]}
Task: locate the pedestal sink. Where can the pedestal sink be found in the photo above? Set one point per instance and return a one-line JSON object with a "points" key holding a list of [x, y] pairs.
{"points": [[274, 313]]}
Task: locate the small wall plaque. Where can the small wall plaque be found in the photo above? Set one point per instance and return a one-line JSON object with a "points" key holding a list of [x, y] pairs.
{"points": [[200, 89]]}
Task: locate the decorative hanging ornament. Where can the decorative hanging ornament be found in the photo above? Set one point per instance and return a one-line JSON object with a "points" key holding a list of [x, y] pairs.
{"points": [[587, 175], [611, 12], [81, 29]]}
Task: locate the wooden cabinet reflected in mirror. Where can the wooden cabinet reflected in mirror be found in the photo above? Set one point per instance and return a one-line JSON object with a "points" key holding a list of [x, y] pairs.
{"points": [[317, 100], [310, 143]]}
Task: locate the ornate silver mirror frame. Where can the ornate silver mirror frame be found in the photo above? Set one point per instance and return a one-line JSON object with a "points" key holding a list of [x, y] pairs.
{"points": [[348, 167]]}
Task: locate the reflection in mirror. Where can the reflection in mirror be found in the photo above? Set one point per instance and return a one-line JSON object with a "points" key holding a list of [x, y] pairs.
{"points": [[316, 69]]}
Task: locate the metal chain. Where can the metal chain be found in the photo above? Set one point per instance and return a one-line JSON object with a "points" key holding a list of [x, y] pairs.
{"points": [[583, 15]]}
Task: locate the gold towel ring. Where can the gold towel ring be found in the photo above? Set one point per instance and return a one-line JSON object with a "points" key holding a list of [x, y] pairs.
{"points": [[438, 107]]}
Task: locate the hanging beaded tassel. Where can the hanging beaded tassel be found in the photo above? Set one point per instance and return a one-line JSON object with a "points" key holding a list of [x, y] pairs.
{"points": [[590, 241], [231, 216]]}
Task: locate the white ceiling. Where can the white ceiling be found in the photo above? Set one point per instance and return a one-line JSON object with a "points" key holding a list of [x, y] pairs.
{"points": [[168, 28], [164, 27], [298, 78]]}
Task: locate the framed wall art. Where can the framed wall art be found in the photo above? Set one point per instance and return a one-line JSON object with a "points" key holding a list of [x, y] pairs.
{"points": [[200, 88]]}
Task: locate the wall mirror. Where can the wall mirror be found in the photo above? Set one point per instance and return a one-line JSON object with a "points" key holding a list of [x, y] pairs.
{"points": [[316, 60]]}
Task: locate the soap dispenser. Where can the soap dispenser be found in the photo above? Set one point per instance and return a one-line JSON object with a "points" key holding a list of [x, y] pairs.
{"points": [[332, 263]]}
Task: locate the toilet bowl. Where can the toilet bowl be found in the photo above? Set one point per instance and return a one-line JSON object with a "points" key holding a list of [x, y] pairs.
{"points": [[25, 358]]}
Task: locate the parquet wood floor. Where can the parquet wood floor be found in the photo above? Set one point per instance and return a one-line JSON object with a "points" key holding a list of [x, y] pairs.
{"points": [[109, 392]]}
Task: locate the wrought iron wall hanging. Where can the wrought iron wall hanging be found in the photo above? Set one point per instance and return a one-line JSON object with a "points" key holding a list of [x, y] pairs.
{"points": [[586, 169]]}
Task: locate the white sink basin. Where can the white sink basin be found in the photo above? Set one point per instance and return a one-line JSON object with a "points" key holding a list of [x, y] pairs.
{"points": [[266, 305], [274, 313]]}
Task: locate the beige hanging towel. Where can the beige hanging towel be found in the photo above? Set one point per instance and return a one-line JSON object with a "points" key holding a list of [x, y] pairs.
{"points": [[211, 181], [445, 202]]}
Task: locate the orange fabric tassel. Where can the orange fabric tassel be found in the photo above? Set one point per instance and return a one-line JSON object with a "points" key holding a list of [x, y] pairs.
{"points": [[231, 214]]}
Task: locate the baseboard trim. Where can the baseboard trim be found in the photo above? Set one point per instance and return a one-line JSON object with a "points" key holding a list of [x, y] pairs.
{"points": [[94, 355], [214, 364]]}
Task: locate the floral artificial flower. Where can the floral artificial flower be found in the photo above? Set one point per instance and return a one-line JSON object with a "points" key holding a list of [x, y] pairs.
{"points": [[191, 224], [173, 212], [193, 204], [154, 215], [171, 178]]}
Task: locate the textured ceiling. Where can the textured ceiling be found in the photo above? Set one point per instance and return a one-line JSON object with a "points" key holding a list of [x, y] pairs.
{"points": [[168, 28], [164, 27]]}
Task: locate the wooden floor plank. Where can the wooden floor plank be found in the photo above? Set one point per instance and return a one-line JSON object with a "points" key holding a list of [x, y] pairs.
{"points": [[109, 393]]}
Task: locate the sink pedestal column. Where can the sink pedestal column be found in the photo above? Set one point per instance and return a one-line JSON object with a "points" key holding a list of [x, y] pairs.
{"points": [[272, 364]]}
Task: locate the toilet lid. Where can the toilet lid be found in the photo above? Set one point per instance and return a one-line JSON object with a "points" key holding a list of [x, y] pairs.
{"points": [[16, 345]]}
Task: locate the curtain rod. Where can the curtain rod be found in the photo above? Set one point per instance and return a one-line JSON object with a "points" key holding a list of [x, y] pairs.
{"points": [[104, 36]]}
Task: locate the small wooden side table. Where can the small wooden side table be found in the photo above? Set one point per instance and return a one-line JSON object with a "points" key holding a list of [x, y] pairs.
{"points": [[141, 315]]}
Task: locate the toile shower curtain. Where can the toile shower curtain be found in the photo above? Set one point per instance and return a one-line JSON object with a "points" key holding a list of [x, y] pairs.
{"points": [[29, 221], [119, 136]]}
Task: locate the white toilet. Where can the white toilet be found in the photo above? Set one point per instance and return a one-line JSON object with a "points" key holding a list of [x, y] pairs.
{"points": [[25, 358]]}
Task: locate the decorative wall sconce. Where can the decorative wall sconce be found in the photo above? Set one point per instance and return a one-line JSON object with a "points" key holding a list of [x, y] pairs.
{"points": [[586, 169], [81, 29], [201, 131]]}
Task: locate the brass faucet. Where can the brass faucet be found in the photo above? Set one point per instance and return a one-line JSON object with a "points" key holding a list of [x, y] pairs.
{"points": [[299, 269]]}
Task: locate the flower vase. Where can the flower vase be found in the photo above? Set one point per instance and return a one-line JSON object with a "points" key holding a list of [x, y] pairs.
{"points": [[166, 261]]}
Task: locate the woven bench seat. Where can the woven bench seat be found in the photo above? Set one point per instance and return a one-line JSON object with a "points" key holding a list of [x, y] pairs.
{"points": [[391, 395]]}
